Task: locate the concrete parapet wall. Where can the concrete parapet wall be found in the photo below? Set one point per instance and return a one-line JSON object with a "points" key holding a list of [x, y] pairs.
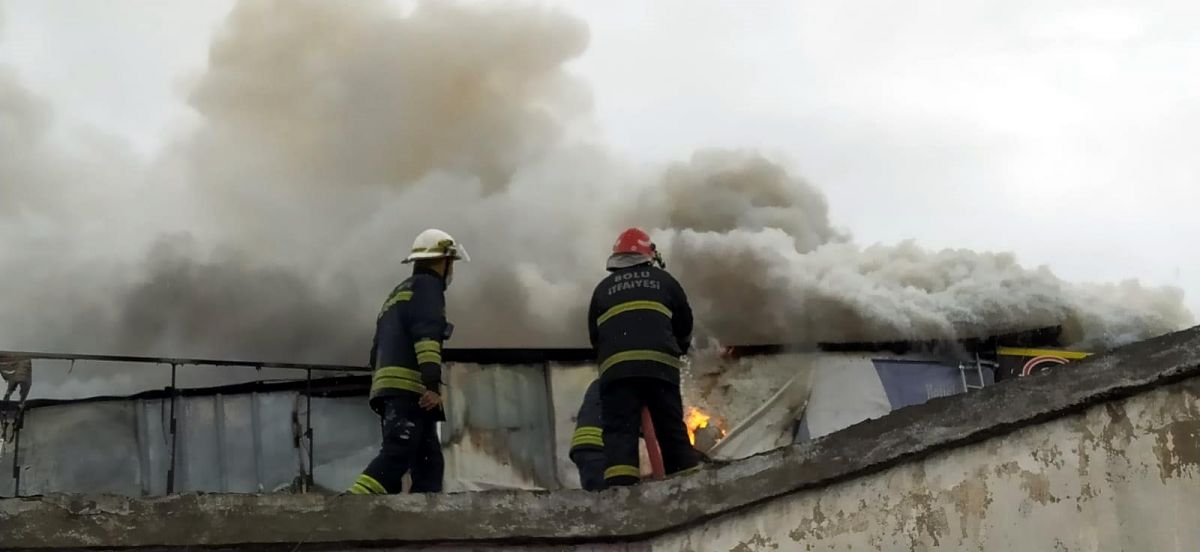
{"points": [[1122, 476]]}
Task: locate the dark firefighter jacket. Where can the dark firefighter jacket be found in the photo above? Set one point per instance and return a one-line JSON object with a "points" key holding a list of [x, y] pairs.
{"points": [[589, 434], [407, 352], [640, 323]]}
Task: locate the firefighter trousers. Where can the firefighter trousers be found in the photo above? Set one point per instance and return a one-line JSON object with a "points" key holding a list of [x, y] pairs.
{"points": [[410, 445], [622, 402]]}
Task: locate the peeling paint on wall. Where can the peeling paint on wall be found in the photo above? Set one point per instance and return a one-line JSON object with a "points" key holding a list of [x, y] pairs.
{"points": [[1178, 449], [1121, 476]]}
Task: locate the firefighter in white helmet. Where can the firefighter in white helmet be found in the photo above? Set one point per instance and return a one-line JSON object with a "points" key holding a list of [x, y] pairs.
{"points": [[407, 359]]}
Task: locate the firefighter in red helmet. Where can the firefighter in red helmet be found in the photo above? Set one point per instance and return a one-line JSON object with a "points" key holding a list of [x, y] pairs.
{"points": [[640, 325]]}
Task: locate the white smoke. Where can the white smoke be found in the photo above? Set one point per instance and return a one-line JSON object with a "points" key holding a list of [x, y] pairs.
{"points": [[773, 269], [331, 133]]}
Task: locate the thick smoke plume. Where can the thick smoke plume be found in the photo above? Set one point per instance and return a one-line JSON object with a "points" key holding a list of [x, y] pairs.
{"points": [[772, 268], [331, 133]]}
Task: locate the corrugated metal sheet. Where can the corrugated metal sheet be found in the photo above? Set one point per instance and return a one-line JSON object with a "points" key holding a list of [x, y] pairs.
{"points": [[508, 427], [84, 449], [235, 443], [568, 383], [499, 434]]}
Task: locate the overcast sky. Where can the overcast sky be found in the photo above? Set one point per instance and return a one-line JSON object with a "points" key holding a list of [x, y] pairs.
{"points": [[1065, 131]]}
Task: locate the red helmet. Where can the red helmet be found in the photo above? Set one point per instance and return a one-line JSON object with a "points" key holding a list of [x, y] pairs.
{"points": [[634, 240]]}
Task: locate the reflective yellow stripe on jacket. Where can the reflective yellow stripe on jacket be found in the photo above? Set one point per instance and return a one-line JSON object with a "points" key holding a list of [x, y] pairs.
{"points": [[587, 435], [428, 350], [640, 354], [632, 306], [397, 377], [402, 295]]}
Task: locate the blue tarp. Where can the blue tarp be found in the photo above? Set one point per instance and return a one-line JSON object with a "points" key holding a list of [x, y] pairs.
{"points": [[909, 382], [853, 393]]}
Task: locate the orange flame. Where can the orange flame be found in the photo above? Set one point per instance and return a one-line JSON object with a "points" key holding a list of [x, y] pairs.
{"points": [[695, 419]]}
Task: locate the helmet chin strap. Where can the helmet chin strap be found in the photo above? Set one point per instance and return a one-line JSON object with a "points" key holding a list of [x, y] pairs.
{"points": [[658, 260]]}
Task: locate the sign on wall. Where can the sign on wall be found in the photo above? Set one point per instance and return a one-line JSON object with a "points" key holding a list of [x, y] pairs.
{"points": [[1017, 362]]}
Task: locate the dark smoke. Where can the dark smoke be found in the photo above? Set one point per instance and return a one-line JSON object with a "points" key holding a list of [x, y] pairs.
{"points": [[189, 306]]}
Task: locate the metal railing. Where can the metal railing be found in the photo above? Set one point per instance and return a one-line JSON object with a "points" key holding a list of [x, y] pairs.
{"points": [[977, 365]]}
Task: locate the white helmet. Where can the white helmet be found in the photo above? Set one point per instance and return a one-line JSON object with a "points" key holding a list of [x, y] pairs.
{"points": [[436, 244]]}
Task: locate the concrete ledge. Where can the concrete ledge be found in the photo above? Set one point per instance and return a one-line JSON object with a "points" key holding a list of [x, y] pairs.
{"points": [[277, 521]]}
